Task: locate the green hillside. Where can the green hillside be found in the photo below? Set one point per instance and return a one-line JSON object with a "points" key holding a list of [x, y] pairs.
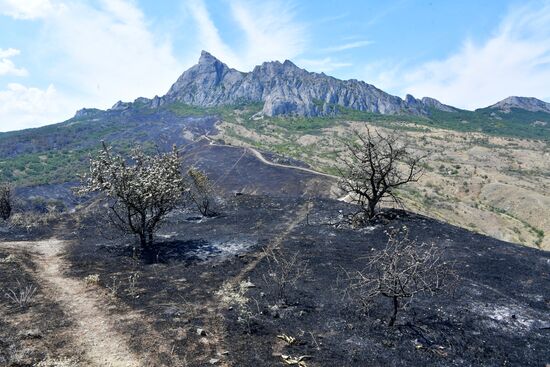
{"points": [[57, 153]]}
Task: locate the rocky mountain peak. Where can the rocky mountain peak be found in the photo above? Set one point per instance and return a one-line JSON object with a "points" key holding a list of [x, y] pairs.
{"points": [[207, 58], [524, 103], [284, 88]]}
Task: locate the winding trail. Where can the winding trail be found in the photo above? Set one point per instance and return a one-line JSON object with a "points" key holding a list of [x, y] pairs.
{"points": [[93, 332], [260, 156], [262, 159]]}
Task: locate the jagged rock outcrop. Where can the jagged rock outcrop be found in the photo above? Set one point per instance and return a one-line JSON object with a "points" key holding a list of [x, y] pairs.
{"points": [[524, 103], [86, 112], [434, 103], [284, 88]]}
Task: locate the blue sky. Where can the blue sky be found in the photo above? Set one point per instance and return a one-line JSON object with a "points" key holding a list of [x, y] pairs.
{"points": [[57, 56]]}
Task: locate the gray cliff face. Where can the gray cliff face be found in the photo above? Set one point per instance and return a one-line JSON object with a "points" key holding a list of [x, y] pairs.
{"points": [[524, 103], [284, 88]]}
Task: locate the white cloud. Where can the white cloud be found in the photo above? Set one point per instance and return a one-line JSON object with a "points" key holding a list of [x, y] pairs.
{"points": [[109, 52], [7, 67], [348, 46], [209, 36], [28, 9], [23, 107], [97, 54], [515, 60], [324, 65], [10, 52]]}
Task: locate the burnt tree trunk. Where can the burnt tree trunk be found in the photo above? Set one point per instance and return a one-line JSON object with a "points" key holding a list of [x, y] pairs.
{"points": [[395, 309]]}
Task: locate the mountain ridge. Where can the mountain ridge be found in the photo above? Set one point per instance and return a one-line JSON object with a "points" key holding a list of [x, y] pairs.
{"points": [[285, 89]]}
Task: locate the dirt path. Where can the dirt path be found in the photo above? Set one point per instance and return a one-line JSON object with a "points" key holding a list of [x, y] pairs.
{"points": [[216, 320], [262, 159], [94, 333], [274, 244], [260, 156]]}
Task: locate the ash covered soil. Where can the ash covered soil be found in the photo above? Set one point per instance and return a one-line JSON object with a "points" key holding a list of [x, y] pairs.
{"points": [[207, 297]]}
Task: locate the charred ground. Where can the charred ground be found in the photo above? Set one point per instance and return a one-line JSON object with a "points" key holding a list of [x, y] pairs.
{"points": [[497, 314]]}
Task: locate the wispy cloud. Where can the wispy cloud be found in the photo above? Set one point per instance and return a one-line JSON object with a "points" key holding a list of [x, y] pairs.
{"points": [[271, 30], [324, 65], [7, 67], [29, 9], [110, 52], [515, 60], [348, 46], [209, 35], [268, 31]]}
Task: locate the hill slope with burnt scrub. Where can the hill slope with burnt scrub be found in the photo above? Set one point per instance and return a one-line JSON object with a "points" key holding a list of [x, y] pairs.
{"points": [[207, 290]]}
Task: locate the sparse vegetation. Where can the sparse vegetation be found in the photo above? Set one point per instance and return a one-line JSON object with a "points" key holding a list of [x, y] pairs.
{"points": [[284, 271], [21, 296], [92, 279], [6, 201], [403, 269], [202, 192]]}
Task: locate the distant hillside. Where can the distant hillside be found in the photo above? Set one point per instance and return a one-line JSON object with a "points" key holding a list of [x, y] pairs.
{"points": [[521, 103], [58, 152], [474, 178]]}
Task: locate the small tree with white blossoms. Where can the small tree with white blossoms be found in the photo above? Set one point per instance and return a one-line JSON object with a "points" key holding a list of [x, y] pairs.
{"points": [[141, 190]]}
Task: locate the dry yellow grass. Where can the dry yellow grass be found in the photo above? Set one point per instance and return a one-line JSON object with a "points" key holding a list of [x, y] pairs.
{"points": [[492, 185]]}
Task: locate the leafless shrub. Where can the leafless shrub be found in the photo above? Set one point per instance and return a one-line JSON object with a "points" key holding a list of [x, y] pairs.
{"points": [[284, 270], [132, 284], [141, 191], [375, 167], [114, 286], [6, 201], [403, 269], [202, 192], [22, 295]]}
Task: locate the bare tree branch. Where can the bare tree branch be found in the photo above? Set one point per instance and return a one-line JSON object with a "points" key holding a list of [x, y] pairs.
{"points": [[375, 166], [400, 271]]}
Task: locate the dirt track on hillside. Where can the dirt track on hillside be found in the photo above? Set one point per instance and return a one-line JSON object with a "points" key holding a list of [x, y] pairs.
{"points": [[94, 333]]}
